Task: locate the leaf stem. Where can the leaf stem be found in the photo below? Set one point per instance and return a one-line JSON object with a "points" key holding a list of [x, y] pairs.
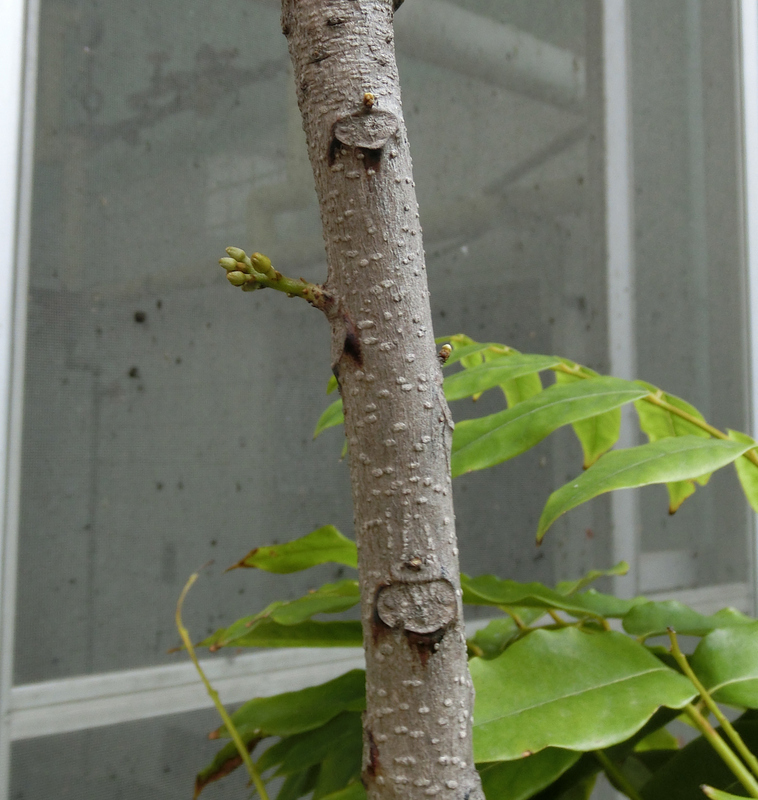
{"points": [[712, 706], [518, 622], [213, 694], [616, 777], [578, 372], [737, 768]]}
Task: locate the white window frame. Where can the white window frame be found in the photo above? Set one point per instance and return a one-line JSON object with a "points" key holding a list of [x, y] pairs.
{"points": [[748, 40], [83, 702], [18, 49]]}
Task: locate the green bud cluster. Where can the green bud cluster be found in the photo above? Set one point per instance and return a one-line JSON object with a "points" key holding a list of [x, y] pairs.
{"points": [[256, 272], [240, 270]]}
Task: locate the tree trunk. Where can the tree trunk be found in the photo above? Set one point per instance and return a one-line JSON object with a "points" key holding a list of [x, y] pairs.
{"points": [[417, 727]]}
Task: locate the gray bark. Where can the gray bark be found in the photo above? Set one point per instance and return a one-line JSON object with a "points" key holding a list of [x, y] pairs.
{"points": [[417, 727]]}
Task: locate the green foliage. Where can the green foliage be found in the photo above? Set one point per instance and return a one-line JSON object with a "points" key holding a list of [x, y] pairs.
{"points": [[596, 434], [654, 619], [328, 599], [682, 452], [726, 661], [560, 696], [488, 590], [553, 694], [568, 688], [521, 778], [681, 776], [494, 372], [487, 441], [323, 545], [331, 417], [665, 461], [747, 471], [717, 794]]}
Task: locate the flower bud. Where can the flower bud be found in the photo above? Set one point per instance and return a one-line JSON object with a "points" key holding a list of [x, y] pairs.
{"points": [[237, 254], [229, 264], [262, 264], [236, 278]]}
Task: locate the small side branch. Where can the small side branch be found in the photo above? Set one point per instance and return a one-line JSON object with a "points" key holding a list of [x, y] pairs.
{"points": [[256, 272]]}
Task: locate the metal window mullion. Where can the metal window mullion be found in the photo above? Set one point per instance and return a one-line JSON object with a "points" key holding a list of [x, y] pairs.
{"points": [[619, 186], [748, 36]]}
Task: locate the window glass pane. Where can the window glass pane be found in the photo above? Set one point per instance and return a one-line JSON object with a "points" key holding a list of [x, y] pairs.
{"points": [[168, 418], [156, 758], [690, 275]]}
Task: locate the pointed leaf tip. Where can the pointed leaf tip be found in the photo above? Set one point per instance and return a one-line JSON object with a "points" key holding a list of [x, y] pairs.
{"points": [[333, 415], [325, 544], [665, 461]]}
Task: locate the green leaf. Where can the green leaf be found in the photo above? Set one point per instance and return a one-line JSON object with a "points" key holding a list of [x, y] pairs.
{"points": [[323, 545], [484, 442], [225, 762], [662, 739], [579, 791], [569, 689], [655, 618], [490, 641], [696, 764], [747, 472], [596, 434], [520, 389], [717, 794], [660, 462], [517, 389], [295, 753], [353, 791], [679, 491], [331, 598], [489, 590], [332, 384], [469, 352], [298, 784], [660, 423], [303, 710], [331, 417], [521, 779], [494, 373], [577, 782], [638, 767], [569, 587], [340, 768], [268, 633], [726, 661]]}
